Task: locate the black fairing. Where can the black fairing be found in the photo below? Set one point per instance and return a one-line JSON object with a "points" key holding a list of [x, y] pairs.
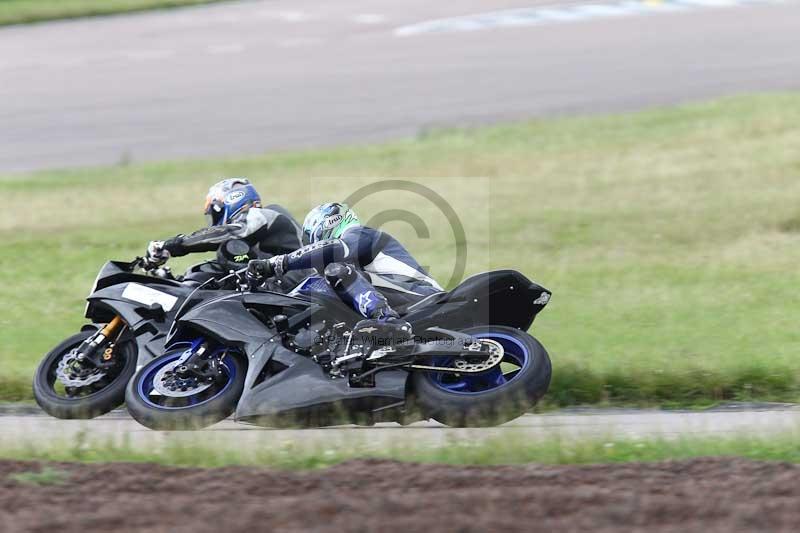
{"points": [[499, 298], [291, 385], [224, 319], [116, 272], [238, 317]]}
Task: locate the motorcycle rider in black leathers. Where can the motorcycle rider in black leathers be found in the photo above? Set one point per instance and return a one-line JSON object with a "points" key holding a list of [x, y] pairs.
{"points": [[233, 210], [357, 261]]}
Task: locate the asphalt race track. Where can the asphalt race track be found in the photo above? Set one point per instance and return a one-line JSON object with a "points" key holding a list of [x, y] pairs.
{"points": [[250, 76], [763, 420]]}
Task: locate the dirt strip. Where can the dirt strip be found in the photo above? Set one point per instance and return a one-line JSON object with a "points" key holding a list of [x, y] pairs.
{"points": [[709, 494]]}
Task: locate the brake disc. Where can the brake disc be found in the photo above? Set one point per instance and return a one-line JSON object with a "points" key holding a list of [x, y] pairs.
{"points": [[167, 383], [66, 375], [462, 366]]}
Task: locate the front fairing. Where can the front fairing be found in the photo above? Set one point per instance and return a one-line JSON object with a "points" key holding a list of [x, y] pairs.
{"points": [[222, 316], [133, 300], [231, 316], [115, 272], [227, 317], [108, 271]]}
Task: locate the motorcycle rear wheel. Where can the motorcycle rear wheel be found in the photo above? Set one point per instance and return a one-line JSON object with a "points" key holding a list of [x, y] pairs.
{"points": [[490, 398]]}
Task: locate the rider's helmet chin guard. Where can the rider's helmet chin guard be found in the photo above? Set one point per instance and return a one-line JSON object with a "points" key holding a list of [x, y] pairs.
{"points": [[229, 200], [328, 221]]}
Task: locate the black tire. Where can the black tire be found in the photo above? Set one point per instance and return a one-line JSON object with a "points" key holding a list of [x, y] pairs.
{"points": [[192, 417], [492, 407], [95, 404]]}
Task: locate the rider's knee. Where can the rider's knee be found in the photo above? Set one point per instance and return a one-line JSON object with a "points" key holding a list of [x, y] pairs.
{"points": [[337, 273]]}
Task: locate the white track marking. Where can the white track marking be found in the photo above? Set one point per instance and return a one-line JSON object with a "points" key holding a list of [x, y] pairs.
{"points": [[559, 15], [369, 18], [285, 16], [602, 10], [710, 3], [535, 16], [293, 16]]}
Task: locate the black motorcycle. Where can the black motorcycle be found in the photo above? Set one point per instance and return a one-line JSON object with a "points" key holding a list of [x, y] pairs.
{"points": [[294, 360], [131, 312]]}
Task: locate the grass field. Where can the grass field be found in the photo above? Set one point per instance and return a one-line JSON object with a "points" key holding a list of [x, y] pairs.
{"points": [[669, 238], [22, 11]]}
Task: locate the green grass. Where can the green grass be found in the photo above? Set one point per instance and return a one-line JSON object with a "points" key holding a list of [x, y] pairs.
{"points": [[669, 237], [24, 11], [509, 449], [46, 476]]}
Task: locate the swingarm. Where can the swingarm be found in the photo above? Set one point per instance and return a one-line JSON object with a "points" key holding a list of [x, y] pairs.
{"points": [[442, 351]]}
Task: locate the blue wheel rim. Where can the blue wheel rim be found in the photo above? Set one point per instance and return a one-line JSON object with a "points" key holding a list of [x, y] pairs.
{"points": [[516, 358], [145, 384]]}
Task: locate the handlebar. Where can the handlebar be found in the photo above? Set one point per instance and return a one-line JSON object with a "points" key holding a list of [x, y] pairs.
{"points": [[142, 263], [233, 273], [159, 271], [244, 283]]}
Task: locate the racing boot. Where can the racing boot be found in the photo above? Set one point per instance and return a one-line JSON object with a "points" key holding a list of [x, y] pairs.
{"points": [[378, 333]]}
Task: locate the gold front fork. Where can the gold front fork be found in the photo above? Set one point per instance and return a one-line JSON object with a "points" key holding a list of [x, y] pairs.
{"points": [[107, 332], [111, 327], [99, 339]]}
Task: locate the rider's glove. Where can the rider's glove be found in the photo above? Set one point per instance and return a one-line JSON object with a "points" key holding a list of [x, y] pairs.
{"points": [[156, 254], [260, 269], [174, 246]]}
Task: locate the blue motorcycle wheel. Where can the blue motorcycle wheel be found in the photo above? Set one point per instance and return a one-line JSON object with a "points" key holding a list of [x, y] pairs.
{"points": [[492, 397], [185, 410]]}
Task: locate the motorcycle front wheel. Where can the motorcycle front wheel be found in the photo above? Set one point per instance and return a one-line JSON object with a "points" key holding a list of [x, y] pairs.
{"points": [[64, 389], [156, 400]]}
